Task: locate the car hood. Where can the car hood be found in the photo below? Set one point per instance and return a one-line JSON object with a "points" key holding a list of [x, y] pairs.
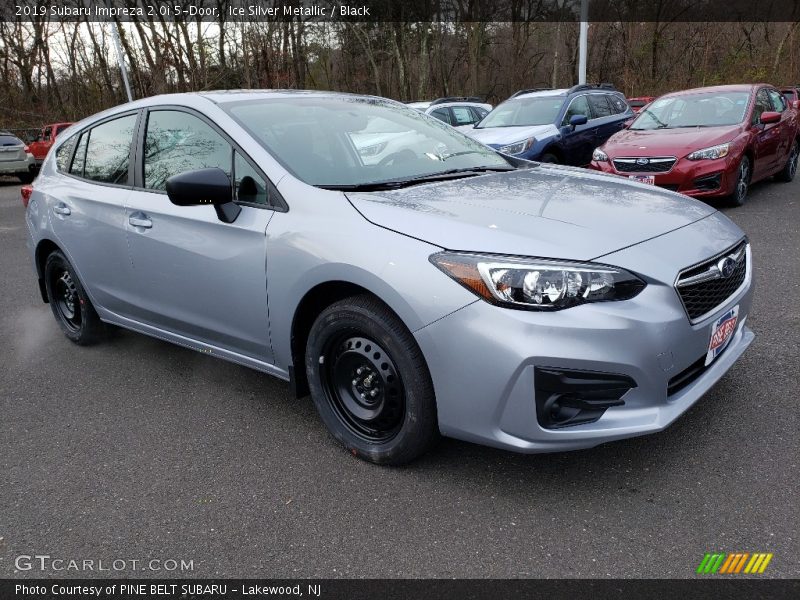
{"points": [[500, 136], [545, 211], [671, 142]]}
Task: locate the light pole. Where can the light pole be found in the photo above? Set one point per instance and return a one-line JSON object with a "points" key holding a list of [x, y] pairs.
{"points": [[583, 41]]}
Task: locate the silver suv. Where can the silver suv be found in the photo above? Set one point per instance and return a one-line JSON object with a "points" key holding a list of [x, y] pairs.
{"points": [[444, 288]]}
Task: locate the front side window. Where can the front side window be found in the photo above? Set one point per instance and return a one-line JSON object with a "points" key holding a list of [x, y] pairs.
{"points": [[762, 105], [109, 150], [578, 106], [176, 142], [249, 186], [442, 114]]}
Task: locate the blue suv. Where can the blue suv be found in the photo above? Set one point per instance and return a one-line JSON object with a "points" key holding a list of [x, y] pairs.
{"points": [[558, 126]]}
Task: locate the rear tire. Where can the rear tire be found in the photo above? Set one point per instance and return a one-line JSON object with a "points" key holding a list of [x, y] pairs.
{"points": [[68, 300], [743, 175], [26, 178], [370, 383], [790, 168]]}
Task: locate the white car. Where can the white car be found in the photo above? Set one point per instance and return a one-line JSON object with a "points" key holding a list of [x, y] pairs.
{"points": [[15, 160], [460, 112]]}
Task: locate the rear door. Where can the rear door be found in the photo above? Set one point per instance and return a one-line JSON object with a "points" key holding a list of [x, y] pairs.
{"points": [[766, 139], [194, 275], [87, 207], [786, 128], [603, 119]]}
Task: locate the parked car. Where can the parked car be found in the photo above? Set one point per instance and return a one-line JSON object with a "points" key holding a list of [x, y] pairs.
{"points": [[792, 95], [458, 111], [708, 142], [15, 158], [639, 102], [449, 290], [44, 141], [555, 126]]}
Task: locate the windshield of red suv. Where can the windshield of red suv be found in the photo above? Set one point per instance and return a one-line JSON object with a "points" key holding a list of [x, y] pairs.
{"points": [[694, 110], [524, 112]]}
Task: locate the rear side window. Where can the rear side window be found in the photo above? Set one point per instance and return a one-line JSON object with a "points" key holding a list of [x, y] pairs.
{"points": [[462, 115], [176, 142], [10, 140], [600, 107], [777, 100], [109, 149], [64, 153], [442, 114], [80, 156], [618, 104]]}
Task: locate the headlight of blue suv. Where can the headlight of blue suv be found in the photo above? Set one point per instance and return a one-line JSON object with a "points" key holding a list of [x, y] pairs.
{"points": [[599, 156], [713, 152], [537, 284], [518, 147]]}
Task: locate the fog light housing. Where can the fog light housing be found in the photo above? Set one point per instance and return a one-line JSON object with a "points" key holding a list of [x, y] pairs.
{"points": [[565, 398]]}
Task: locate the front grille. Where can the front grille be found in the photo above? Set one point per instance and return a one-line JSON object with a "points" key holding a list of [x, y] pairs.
{"points": [[657, 164], [704, 287]]}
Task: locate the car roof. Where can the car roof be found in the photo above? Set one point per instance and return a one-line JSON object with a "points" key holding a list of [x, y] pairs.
{"points": [[736, 87], [540, 93]]}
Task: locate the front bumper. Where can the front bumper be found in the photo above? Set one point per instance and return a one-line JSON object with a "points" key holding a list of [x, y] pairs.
{"points": [[696, 178], [483, 360]]}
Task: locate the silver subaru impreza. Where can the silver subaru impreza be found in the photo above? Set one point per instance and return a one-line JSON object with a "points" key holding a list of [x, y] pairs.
{"points": [[412, 280]]}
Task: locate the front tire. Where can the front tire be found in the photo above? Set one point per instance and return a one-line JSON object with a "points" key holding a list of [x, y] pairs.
{"points": [[549, 157], [743, 175], [68, 300], [370, 383]]}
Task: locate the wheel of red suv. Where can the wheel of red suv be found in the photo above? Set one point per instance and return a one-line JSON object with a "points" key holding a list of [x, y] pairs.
{"points": [[790, 168], [743, 174], [69, 302], [370, 383], [548, 157]]}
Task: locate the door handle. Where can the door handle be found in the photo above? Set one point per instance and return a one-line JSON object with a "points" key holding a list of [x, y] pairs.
{"points": [[142, 221], [62, 209]]}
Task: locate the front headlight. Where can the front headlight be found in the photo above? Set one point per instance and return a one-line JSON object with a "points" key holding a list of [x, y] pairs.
{"points": [[713, 152], [599, 155], [537, 284], [518, 147]]}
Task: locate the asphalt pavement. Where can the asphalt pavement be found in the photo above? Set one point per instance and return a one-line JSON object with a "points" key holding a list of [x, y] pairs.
{"points": [[138, 450]]}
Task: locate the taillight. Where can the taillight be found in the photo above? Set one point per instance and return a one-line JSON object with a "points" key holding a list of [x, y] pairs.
{"points": [[26, 192], [27, 148]]}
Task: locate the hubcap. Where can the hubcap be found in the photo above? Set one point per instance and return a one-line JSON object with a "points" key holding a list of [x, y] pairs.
{"points": [[67, 301], [364, 387]]}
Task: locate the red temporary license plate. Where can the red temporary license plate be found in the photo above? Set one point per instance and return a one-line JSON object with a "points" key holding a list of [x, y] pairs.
{"points": [[651, 179], [721, 333]]}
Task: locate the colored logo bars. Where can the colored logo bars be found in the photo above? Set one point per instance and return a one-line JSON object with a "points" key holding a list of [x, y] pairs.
{"points": [[737, 562]]}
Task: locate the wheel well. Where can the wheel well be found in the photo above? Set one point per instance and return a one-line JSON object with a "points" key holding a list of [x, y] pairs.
{"points": [[555, 151], [43, 250], [313, 303]]}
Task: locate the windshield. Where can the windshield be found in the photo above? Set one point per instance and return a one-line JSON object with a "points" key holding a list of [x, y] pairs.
{"points": [[523, 112], [344, 141], [695, 110]]}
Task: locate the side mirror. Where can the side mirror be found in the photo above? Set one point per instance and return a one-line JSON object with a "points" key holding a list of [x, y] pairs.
{"points": [[769, 117], [576, 120], [204, 186]]}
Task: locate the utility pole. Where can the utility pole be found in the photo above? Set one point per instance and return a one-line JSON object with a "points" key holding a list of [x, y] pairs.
{"points": [[583, 41], [120, 58]]}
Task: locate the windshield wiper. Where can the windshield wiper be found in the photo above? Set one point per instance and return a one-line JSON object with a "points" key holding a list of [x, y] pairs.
{"points": [[394, 184], [661, 124]]}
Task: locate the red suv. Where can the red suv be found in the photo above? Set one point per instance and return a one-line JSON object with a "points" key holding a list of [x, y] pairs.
{"points": [[707, 142], [45, 139]]}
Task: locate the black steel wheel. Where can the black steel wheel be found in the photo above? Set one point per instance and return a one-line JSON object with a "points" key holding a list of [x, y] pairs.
{"points": [[370, 383], [790, 168], [70, 305]]}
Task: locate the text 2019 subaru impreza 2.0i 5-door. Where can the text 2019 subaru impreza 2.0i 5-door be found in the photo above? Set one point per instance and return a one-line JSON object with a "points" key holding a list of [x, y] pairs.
{"points": [[445, 289]]}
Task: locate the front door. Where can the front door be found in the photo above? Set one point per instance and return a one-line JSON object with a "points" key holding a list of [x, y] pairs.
{"points": [[194, 275]]}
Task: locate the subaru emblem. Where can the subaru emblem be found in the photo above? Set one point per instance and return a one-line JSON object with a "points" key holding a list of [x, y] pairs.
{"points": [[726, 267], [642, 161]]}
